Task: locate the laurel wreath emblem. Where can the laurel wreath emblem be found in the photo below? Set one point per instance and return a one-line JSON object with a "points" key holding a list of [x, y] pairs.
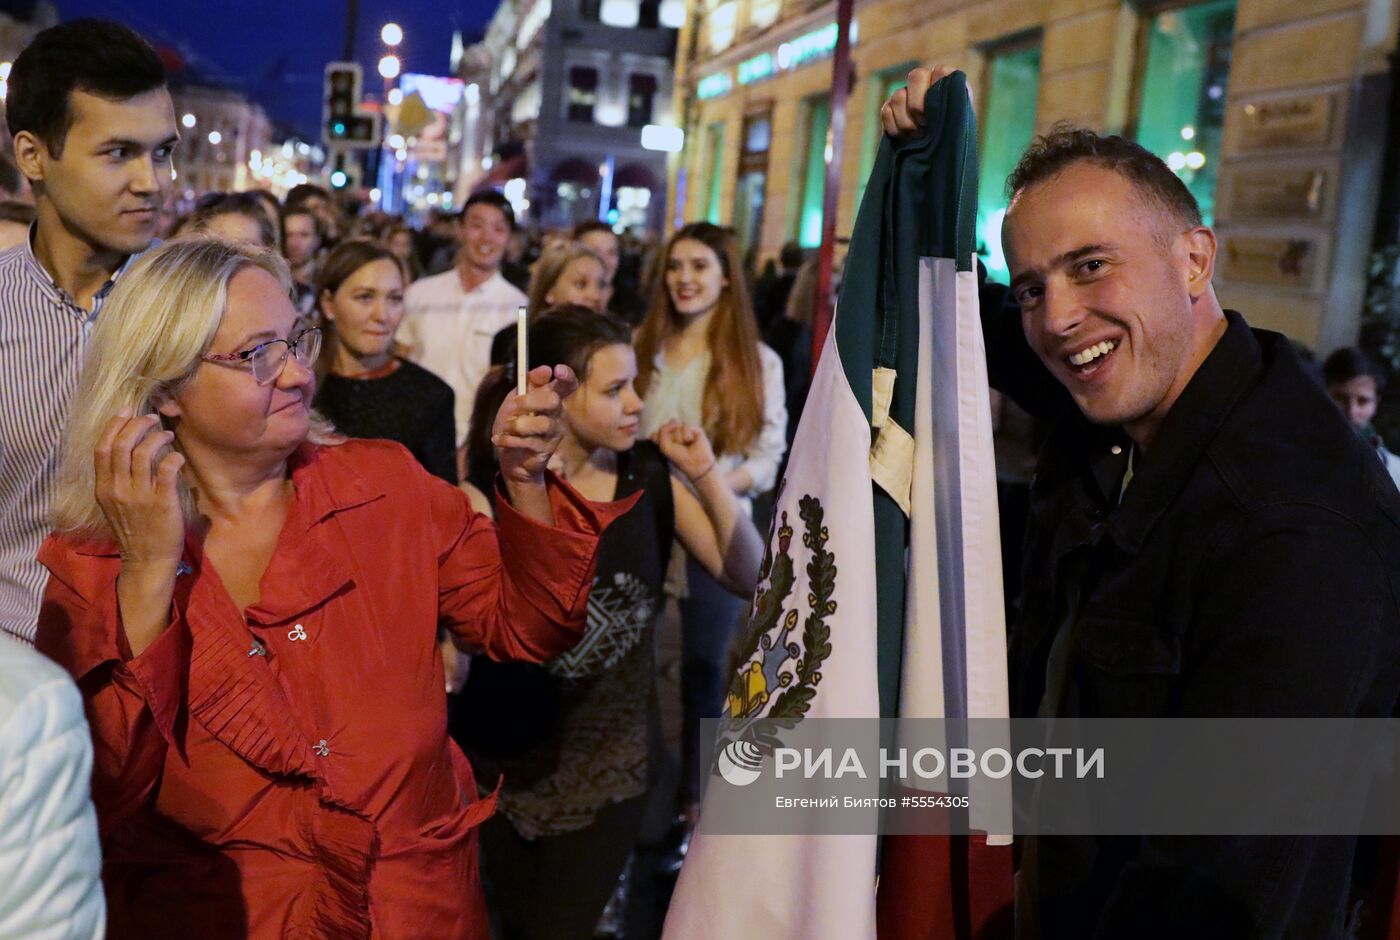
{"points": [[764, 696]]}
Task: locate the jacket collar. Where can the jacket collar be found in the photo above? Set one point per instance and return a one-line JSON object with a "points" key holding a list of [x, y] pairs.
{"points": [[1233, 367], [320, 491]]}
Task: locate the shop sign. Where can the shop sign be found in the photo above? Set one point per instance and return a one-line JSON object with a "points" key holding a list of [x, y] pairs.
{"points": [[714, 86], [1277, 262]]}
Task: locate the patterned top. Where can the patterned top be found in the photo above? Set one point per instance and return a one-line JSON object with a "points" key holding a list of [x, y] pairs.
{"points": [[608, 709], [43, 333]]}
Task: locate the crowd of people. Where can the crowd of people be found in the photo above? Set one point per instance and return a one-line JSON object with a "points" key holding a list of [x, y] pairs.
{"points": [[273, 493], [274, 614]]}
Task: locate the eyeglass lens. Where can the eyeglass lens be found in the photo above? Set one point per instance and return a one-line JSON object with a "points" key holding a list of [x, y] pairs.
{"points": [[268, 360]]}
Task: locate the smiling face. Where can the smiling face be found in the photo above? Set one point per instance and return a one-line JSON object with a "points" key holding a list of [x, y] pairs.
{"points": [[113, 171], [485, 233], [694, 277], [367, 308], [583, 281], [606, 409], [1114, 295], [222, 410]]}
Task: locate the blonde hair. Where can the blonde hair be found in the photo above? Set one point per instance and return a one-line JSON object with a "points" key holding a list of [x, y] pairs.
{"points": [[550, 267], [154, 328]]}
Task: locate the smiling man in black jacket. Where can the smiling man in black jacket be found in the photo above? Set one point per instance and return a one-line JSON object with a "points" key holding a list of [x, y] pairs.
{"points": [[1208, 539]]}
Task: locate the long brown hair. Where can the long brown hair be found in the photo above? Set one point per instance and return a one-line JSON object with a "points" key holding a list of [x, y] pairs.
{"points": [[732, 409]]}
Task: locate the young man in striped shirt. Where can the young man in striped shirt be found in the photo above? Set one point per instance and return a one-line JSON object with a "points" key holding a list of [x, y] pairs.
{"points": [[94, 132]]}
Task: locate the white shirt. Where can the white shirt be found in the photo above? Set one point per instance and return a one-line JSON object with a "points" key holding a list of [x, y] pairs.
{"points": [[448, 331], [678, 394], [49, 853]]}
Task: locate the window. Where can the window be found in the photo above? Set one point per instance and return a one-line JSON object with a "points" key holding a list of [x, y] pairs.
{"points": [[750, 193], [1013, 85], [641, 93], [583, 92], [722, 23], [813, 170], [1181, 112], [758, 134], [714, 153], [882, 84], [764, 13]]}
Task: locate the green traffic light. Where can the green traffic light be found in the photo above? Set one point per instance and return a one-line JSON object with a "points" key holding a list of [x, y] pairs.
{"points": [[339, 128]]}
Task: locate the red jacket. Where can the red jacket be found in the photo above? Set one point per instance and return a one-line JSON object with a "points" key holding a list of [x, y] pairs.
{"points": [[285, 771]]}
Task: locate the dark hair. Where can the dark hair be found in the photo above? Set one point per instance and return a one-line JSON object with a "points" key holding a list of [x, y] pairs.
{"points": [[273, 207], [1349, 363], [12, 210], [96, 56], [792, 256], [489, 197], [301, 192], [1054, 152], [10, 180], [591, 225], [564, 335], [348, 257], [212, 205]]}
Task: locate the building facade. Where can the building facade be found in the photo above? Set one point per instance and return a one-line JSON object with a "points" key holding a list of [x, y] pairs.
{"points": [[1272, 112], [220, 131], [572, 107]]}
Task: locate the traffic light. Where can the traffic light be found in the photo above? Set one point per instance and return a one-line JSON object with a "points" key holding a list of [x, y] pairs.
{"points": [[342, 123]]}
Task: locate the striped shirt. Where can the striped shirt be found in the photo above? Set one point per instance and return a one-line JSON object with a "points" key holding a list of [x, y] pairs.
{"points": [[43, 333]]}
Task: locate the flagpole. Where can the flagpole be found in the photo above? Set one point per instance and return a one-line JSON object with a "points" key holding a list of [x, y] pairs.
{"points": [[831, 193]]}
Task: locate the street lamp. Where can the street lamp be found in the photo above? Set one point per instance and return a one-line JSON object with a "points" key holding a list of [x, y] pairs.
{"points": [[389, 67], [391, 34]]}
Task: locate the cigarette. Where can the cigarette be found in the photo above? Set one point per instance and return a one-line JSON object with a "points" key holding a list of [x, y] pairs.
{"points": [[521, 353]]}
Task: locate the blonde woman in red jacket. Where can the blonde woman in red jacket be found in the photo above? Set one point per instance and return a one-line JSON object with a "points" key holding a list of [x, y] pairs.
{"points": [[249, 608]]}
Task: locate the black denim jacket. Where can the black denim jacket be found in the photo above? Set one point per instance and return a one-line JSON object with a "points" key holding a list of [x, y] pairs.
{"points": [[1252, 569]]}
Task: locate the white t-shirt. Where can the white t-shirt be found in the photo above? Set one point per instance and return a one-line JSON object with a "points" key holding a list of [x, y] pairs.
{"points": [[448, 331]]}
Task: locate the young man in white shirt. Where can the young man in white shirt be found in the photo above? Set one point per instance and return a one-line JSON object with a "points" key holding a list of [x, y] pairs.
{"points": [[452, 317]]}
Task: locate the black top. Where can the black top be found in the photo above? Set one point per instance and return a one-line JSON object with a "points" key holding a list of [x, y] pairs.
{"points": [[1251, 569], [598, 751], [409, 405]]}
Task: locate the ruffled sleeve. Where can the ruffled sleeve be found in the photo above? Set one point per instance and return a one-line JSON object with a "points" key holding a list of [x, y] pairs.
{"points": [[518, 589], [133, 703]]}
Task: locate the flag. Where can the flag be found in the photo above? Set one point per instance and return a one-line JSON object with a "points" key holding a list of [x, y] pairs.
{"points": [[880, 594]]}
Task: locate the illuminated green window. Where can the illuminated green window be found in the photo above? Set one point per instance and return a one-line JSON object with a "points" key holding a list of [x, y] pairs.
{"points": [[714, 152], [884, 84], [1008, 124], [809, 221], [1182, 111]]}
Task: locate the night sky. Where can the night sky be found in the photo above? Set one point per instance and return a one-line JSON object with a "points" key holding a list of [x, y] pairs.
{"points": [[275, 52]]}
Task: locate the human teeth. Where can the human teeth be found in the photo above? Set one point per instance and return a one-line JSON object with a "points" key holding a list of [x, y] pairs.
{"points": [[1093, 352]]}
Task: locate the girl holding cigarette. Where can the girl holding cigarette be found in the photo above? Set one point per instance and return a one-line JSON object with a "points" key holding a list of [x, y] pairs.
{"points": [[575, 779]]}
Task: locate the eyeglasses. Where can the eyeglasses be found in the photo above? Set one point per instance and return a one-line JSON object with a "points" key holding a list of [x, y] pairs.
{"points": [[267, 359]]}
